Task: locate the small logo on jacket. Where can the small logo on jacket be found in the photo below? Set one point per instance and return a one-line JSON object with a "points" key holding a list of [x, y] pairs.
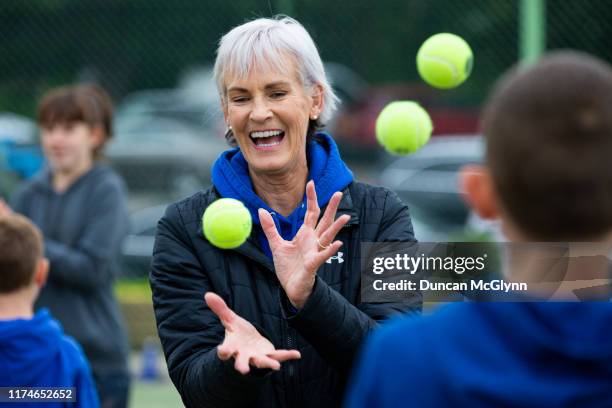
{"points": [[337, 257]]}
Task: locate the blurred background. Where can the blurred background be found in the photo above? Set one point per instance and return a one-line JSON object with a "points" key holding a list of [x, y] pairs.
{"points": [[155, 58]]}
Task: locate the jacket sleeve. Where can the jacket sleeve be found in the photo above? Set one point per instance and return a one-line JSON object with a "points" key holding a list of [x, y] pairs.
{"points": [[189, 331], [87, 264], [334, 326]]}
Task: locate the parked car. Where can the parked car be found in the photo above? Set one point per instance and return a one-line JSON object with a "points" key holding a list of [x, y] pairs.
{"points": [[20, 153], [162, 145], [198, 110], [138, 245], [354, 126], [428, 181]]}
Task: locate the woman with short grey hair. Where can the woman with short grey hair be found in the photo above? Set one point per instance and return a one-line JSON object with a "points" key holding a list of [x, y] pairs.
{"points": [[282, 318]]}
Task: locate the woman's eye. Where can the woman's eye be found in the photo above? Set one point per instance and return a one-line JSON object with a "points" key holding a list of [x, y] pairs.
{"points": [[240, 99], [278, 94]]}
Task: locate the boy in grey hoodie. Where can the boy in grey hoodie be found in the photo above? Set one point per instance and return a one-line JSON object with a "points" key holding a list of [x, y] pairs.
{"points": [[79, 204]]}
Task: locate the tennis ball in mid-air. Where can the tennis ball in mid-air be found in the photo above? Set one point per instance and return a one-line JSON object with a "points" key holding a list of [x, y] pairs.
{"points": [[403, 127], [444, 60], [226, 223]]}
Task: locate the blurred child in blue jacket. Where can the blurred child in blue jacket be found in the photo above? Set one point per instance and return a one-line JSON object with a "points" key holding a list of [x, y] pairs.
{"points": [[547, 177], [34, 352]]}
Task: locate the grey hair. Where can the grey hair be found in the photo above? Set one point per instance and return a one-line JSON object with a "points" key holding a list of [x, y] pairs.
{"points": [[262, 43]]}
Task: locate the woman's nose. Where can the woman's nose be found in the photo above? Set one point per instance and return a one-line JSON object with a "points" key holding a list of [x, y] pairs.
{"points": [[261, 111]]}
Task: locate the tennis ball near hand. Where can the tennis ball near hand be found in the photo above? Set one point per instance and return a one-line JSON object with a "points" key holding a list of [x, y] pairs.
{"points": [[403, 127], [226, 223], [444, 60]]}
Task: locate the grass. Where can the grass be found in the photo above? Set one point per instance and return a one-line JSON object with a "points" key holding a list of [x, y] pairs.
{"points": [[133, 290], [154, 395]]}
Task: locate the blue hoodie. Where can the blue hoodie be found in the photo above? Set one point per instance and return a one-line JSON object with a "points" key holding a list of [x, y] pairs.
{"points": [[469, 354], [36, 353], [230, 176]]}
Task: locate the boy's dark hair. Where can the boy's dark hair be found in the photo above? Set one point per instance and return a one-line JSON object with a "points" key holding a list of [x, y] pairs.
{"points": [[548, 130], [21, 248], [87, 103]]}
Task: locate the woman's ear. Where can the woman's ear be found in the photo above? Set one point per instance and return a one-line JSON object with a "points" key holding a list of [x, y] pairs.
{"points": [[477, 189], [317, 102]]}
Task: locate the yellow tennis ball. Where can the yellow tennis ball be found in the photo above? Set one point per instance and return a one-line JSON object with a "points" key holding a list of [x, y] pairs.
{"points": [[403, 127], [445, 60], [226, 223]]}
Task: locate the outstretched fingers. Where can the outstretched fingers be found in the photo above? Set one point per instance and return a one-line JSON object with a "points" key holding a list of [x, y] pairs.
{"points": [[224, 352], [273, 359], [312, 206], [220, 308], [328, 252], [263, 361], [284, 355], [330, 213], [269, 227], [241, 363], [330, 233]]}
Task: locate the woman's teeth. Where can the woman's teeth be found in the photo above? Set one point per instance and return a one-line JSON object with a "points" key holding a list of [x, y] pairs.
{"points": [[266, 133], [267, 138]]}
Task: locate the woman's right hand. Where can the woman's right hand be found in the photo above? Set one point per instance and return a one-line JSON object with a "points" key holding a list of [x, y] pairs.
{"points": [[243, 342]]}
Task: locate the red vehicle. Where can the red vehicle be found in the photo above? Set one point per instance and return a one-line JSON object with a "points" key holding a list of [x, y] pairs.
{"points": [[354, 126]]}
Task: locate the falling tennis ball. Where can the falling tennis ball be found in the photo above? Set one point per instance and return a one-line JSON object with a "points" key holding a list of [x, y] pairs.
{"points": [[226, 223], [445, 60], [403, 127]]}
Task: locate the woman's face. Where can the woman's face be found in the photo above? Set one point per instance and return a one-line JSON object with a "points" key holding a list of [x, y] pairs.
{"points": [[269, 113]]}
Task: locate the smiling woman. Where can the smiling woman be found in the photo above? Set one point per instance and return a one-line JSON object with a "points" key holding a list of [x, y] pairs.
{"points": [[277, 321]]}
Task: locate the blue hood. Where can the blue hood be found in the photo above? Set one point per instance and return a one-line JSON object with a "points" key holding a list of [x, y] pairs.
{"points": [[36, 353], [529, 354], [32, 350], [28, 346], [230, 176]]}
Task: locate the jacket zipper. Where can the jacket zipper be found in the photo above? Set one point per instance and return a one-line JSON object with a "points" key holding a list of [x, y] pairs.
{"points": [[291, 370]]}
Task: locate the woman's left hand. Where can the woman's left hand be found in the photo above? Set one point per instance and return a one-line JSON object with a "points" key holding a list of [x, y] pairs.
{"points": [[297, 261]]}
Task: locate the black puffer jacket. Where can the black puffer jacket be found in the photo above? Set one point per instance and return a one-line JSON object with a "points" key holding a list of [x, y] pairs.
{"points": [[327, 331]]}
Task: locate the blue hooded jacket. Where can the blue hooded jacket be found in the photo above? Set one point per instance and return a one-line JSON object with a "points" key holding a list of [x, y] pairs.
{"points": [[36, 353], [471, 354], [230, 175]]}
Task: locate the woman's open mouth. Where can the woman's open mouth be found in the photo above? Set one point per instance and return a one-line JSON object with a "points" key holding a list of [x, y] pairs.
{"points": [[267, 139]]}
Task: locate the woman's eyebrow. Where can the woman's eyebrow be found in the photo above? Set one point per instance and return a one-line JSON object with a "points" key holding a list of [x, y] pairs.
{"points": [[272, 85], [236, 89], [278, 84]]}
